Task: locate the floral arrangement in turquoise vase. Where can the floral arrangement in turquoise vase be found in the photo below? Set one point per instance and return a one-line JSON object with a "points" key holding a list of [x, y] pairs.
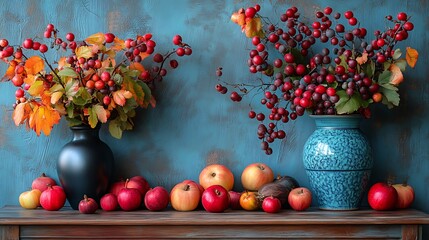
{"points": [[331, 66], [100, 79]]}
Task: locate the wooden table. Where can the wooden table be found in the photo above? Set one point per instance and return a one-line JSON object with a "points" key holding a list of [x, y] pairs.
{"points": [[18, 223]]}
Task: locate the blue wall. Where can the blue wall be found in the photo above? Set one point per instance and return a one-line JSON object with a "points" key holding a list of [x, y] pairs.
{"points": [[192, 124]]}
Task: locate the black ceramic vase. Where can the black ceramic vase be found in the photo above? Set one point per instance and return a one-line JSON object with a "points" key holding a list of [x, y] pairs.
{"points": [[85, 165]]}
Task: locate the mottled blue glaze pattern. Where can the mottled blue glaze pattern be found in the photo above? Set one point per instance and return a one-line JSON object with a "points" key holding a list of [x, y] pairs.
{"points": [[338, 161]]}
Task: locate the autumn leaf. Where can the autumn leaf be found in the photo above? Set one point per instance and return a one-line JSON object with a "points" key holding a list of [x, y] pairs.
{"points": [[95, 114], [239, 17], [397, 77], [137, 66], [109, 62], [362, 59], [43, 118], [253, 27], [118, 44], [62, 63], [84, 52], [36, 89], [412, 56], [21, 113], [10, 72], [34, 65], [97, 38], [55, 97], [120, 97], [30, 79]]}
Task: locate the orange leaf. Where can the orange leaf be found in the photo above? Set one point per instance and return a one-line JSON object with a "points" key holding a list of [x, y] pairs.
{"points": [[84, 52], [144, 55], [137, 66], [239, 17], [361, 60], [397, 77], [412, 56], [36, 89], [30, 79], [253, 27], [63, 63], [21, 113], [118, 44], [43, 119], [97, 38], [34, 65], [10, 72], [120, 97], [109, 62]]}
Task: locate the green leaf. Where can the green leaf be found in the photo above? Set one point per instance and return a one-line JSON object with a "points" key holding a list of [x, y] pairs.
{"points": [[68, 72], [369, 68], [73, 122], [402, 64], [390, 95], [72, 87], [115, 128], [349, 104], [82, 97], [70, 110], [57, 88], [147, 93], [384, 77], [397, 54], [92, 118]]}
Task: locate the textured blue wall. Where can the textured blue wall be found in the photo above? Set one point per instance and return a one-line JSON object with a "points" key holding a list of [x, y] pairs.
{"points": [[192, 124]]}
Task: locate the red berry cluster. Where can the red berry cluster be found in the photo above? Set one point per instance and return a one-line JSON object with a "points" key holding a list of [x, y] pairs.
{"points": [[318, 83]]}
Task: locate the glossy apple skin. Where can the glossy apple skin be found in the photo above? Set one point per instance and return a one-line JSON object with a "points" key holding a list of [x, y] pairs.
{"points": [[140, 184], [116, 187], [382, 196], [299, 199], [42, 182], [109, 202], [129, 199], [215, 199], [405, 195], [185, 196], [156, 199], [53, 198], [249, 201], [87, 205], [30, 199], [216, 174], [234, 200], [271, 205], [255, 175]]}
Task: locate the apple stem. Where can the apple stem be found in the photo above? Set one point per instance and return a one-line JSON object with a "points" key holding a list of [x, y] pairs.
{"points": [[301, 190], [85, 197], [187, 187], [43, 175], [217, 192], [126, 182], [213, 174]]}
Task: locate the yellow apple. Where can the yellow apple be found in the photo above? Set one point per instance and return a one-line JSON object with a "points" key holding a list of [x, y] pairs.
{"points": [[216, 174], [255, 175], [30, 199]]}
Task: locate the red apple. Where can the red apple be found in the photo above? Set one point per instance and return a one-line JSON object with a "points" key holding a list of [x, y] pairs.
{"points": [[234, 200], [215, 199], [116, 187], [156, 199], [185, 196], [129, 199], [53, 198], [109, 202], [255, 175], [42, 182], [30, 199], [139, 183], [405, 195], [216, 174], [87, 205], [382, 196], [300, 198], [271, 205]]}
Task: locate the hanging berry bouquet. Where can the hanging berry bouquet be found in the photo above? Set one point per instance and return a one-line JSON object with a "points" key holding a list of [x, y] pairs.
{"points": [[345, 77], [97, 80]]}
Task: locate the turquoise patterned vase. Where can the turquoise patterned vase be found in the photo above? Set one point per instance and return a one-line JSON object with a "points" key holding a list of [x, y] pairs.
{"points": [[338, 161]]}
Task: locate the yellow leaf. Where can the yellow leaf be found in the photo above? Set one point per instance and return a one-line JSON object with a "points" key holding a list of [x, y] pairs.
{"points": [[55, 97], [109, 62], [137, 66], [239, 17], [97, 38], [36, 89], [397, 77], [362, 59], [120, 97], [118, 44], [84, 52], [101, 113], [34, 65], [412, 56], [43, 119], [63, 63], [253, 27], [21, 113]]}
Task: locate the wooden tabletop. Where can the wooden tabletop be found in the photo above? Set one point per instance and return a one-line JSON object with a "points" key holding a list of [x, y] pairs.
{"points": [[15, 215]]}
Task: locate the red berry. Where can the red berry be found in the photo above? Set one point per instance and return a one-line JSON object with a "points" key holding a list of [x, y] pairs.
{"points": [[50, 27], [408, 26], [99, 85], [3, 43], [180, 51], [331, 91], [188, 51], [109, 37], [257, 7], [402, 16], [257, 60], [43, 48], [273, 38], [70, 37], [105, 76], [36, 45], [348, 14], [327, 10], [174, 63], [250, 12], [353, 21], [177, 40], [28, 43], [235, 97], [289, 58], [158, 58], [19, 93], [256, 40], [107, 100]]}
